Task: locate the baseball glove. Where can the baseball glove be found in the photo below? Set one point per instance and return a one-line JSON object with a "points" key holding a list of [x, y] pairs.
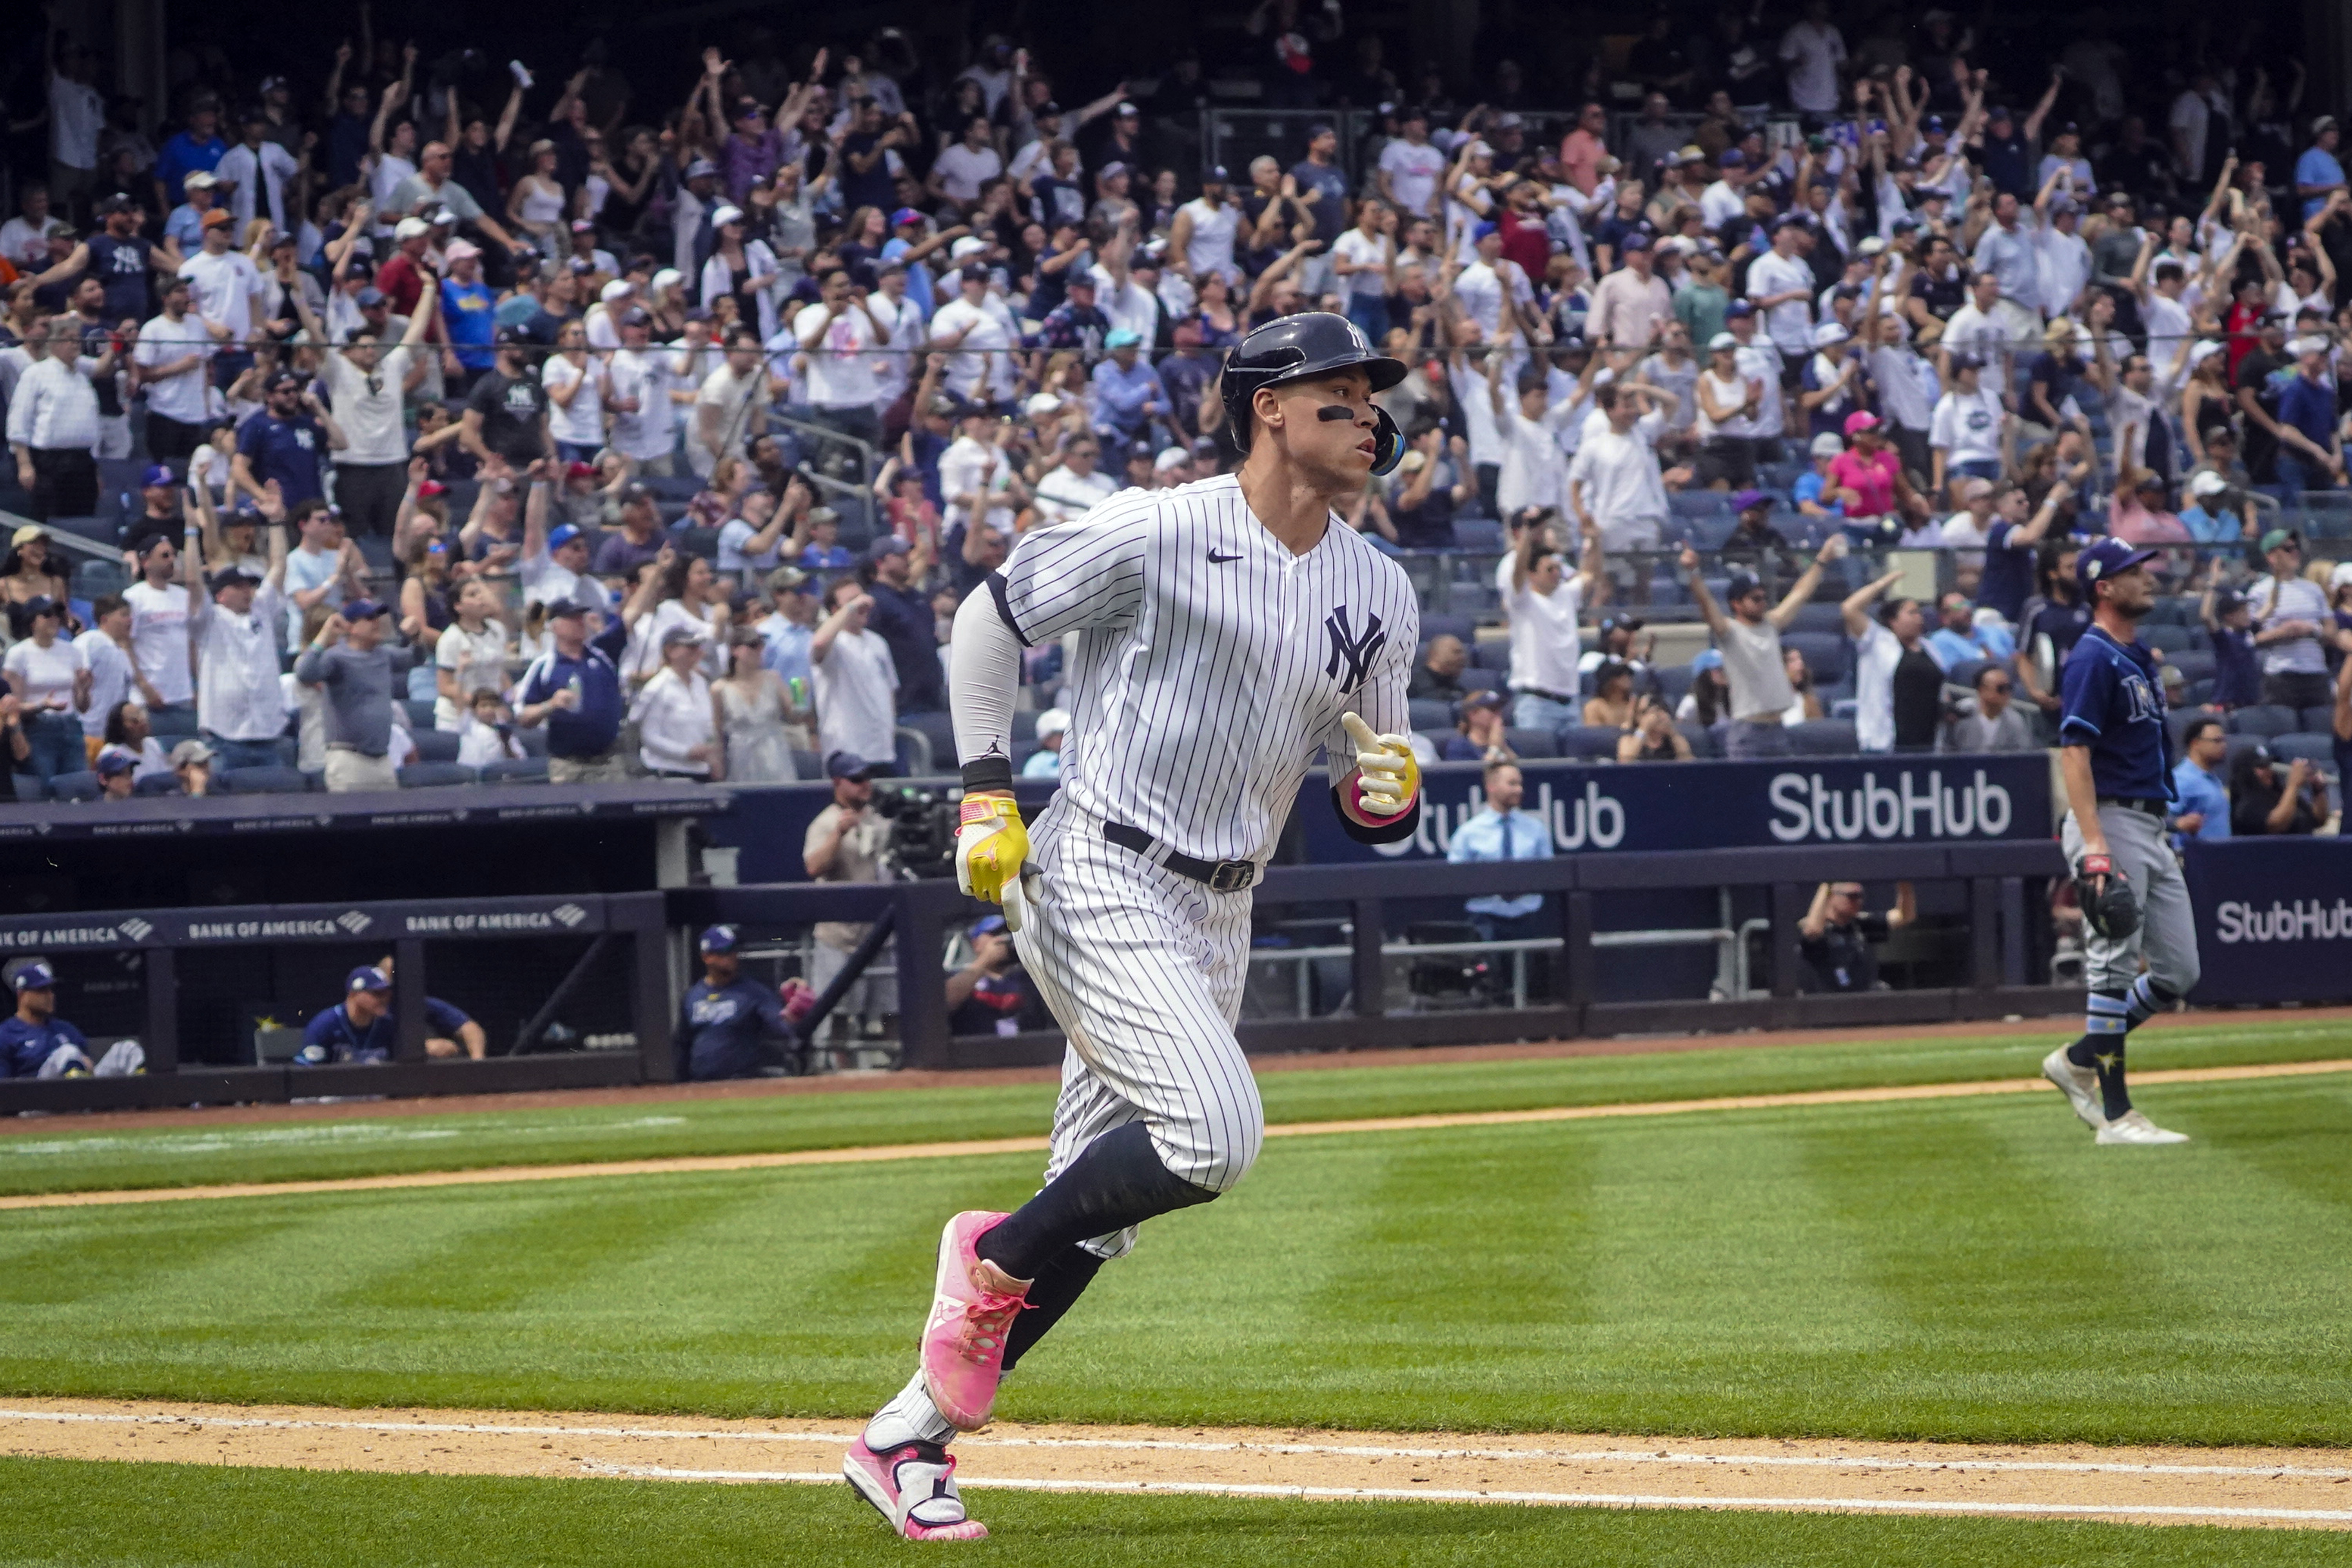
{"points": [[2108, 907]]}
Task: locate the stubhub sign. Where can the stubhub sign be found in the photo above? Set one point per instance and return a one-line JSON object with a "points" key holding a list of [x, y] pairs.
{"points": [[1725, 804]]}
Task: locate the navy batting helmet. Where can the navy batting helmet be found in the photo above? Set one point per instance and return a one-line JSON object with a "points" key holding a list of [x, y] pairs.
{"points": [[1311, 343]]}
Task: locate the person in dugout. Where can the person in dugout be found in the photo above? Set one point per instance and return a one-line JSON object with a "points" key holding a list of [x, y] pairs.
{"points": [[730, 1027], [36, 1043], [363, 1029], [993, 994]]}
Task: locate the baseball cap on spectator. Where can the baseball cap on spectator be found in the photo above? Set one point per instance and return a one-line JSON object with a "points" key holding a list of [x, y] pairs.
{"points": [[787, 580], [904, 216], [718, 939], [580, 225], [562, 608], [229, 577], [217, 218], [1634, 241], [987, 925], [199, 180], [1112, 170], [2107, 558], [848, 765], [460, 250], [108, 207], [1826, 445], [1721, 340], [1750, 500], [1731, 158], [1481, 230], [1489, 698], [1974, 488], [975, 272], [1040, 405], [509, 335], [562, 534], [1122, 338], [1129, 112], [722, 217], [677, 635], [1861, 420], [363, 610], [2302, 346], [887, 544], [41, 605], [1739, 308], [1830, 332], [1170, 458], [439, 218], [35, 975], [1053, 721], [368, 298], [411, 228], [366, 977], [157, 474], [702, 169], [2208, 485], [1740, 586], [2282, 539], [115, 760], [1708, 659]]}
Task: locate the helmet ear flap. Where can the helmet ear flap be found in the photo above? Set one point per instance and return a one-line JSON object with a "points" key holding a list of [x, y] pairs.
{"points": [[1388, 442]]}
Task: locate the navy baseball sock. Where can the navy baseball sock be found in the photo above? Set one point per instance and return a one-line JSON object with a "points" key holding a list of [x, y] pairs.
{"points": [[1061, 1280], [2100, 1048], [1116, 1181]]}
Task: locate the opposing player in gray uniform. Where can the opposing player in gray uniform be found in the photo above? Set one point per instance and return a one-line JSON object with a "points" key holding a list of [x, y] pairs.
{"points": [[1227, 630]]}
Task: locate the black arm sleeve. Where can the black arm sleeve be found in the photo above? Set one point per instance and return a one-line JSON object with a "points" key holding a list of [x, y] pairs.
{"points": [[1391, 831]]}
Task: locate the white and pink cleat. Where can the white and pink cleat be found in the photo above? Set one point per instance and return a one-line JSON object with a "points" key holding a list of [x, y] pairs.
{"points": [[914, 1488], [963, 1342]]}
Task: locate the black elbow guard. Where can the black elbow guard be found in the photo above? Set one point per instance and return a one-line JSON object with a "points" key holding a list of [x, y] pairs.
{"points": [[1394, 831]]}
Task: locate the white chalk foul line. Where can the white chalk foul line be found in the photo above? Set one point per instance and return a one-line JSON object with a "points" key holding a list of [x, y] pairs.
{"points": [[1350, 1450], [1583, 1500]]}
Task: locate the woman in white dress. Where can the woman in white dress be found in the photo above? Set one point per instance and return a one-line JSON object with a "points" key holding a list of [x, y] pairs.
{"points": [[575, 386], [749, 711]]}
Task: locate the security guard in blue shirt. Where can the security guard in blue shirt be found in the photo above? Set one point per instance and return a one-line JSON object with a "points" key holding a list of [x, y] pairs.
{"points": [[2115, 759], [729, 1027]]}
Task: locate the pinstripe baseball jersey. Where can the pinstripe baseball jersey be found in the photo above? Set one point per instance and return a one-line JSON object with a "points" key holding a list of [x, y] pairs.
{"points": [[1212, 662]]}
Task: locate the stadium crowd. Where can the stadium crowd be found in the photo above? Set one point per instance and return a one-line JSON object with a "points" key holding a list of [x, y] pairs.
{"points": [[446, 423]]}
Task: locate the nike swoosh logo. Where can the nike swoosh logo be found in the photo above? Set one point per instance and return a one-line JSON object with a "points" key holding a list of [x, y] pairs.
{"points": [[1217, 559]]}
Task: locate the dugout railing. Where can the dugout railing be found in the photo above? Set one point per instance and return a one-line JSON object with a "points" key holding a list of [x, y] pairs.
{"points": [[616, 943], [2005, 924]]}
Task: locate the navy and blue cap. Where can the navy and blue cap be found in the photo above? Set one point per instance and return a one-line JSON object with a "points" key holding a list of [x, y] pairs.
{"points": [[562, 534], [718, 939], [2105, 558], [987, 925], [847, 766], [35, 976], [366, 977], [1741, 584], [157, 474]]}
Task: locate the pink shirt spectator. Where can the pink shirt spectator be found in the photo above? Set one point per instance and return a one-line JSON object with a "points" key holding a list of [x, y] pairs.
{"points": [[1871, 478], [2135, 524], [1581, 153]]}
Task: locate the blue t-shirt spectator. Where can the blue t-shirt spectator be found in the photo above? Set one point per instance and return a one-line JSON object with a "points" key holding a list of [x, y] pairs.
{"points": [[334, 1036], [2194, 789], [588, 729], [902, 617], [2237, 668], [182, 156], [2310, 406], [2317, 166], [469, 312], [25, 1046], [1808, 487], [1329, 209], [287, 450], [721, 1028]]}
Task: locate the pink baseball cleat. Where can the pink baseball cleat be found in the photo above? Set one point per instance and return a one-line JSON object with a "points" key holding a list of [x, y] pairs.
{"points": [[913, 1488], [963, 1342]]}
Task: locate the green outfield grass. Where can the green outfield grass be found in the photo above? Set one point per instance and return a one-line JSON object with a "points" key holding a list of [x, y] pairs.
{"points": [[54, 1157], [1965, 1269], [188, 1516]]}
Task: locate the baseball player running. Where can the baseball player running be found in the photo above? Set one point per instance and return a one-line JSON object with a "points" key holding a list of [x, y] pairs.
{"points": [[2116, 761], [1227, 629]]}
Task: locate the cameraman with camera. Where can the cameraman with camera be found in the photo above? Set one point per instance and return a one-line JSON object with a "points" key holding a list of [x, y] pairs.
{"points": [[845, 844]]}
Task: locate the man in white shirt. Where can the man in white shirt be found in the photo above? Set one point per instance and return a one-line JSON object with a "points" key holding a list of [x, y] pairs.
{"points": [[225, 284], [1491, 291], [1758, 359], [1411, 168], [1812, 51], [240, 702], [1964, 434], [1969, 528], [53, 425], [1632, 304], [159, 626], [857, 681], [976, 474], [77, 121], [980, 349], [1073, 486], [259, 168], [1978, 330], [838, 334], [1614, 484], [1725, 198], [1781, 285], [962, 167], [1543, 601], [904, 332], [2065, 259], [732, 405], [1535, 469], [645, 415], [366, 385], [169, 364]]}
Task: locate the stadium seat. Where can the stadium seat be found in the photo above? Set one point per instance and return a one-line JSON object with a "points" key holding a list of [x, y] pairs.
{"points": [[2318, 750], [702, 542], [263, 781], [533, 740], [157, 783], [1825, 654], [420, 714], [1477, 679], [911, 752], [525, 770], [1823, 738], [97, 529], [809, 765], [939, 730], [1820, 616], [1433, 625], [171, 724], [2194, 664], [1704, 740], [2177, 720], [2171, 638], [434, 775], [376, 551], [95, 579], [1432, 713], [435, 745], [75, 786], [30, 787], [1493, 653], [2264, 720], [1587, 742], [1674, 682], [1024, 724], [1965, 673], [2318, 719], [1532, 742], [1480, 535]]}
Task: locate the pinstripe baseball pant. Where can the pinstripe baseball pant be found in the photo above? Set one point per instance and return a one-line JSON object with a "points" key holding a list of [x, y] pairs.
{"points": [[1144, 969]]}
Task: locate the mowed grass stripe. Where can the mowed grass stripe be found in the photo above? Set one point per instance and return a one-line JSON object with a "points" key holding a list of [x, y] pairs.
{"points": [[683, 1164]]}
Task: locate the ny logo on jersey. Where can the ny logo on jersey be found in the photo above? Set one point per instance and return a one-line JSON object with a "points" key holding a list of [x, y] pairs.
{"points": [[1353, 652]]}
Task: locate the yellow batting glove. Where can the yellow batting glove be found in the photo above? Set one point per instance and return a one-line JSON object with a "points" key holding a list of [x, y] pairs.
{"points": [[1388, 776], [992, 849]]}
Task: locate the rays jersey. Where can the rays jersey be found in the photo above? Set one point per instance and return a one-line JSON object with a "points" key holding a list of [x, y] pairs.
{"points": [[1212, 662]]}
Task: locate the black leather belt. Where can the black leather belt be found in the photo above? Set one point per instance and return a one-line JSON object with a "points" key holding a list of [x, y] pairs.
{"points": [[1547, 696], [1222, 876], [2155, 808]]}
